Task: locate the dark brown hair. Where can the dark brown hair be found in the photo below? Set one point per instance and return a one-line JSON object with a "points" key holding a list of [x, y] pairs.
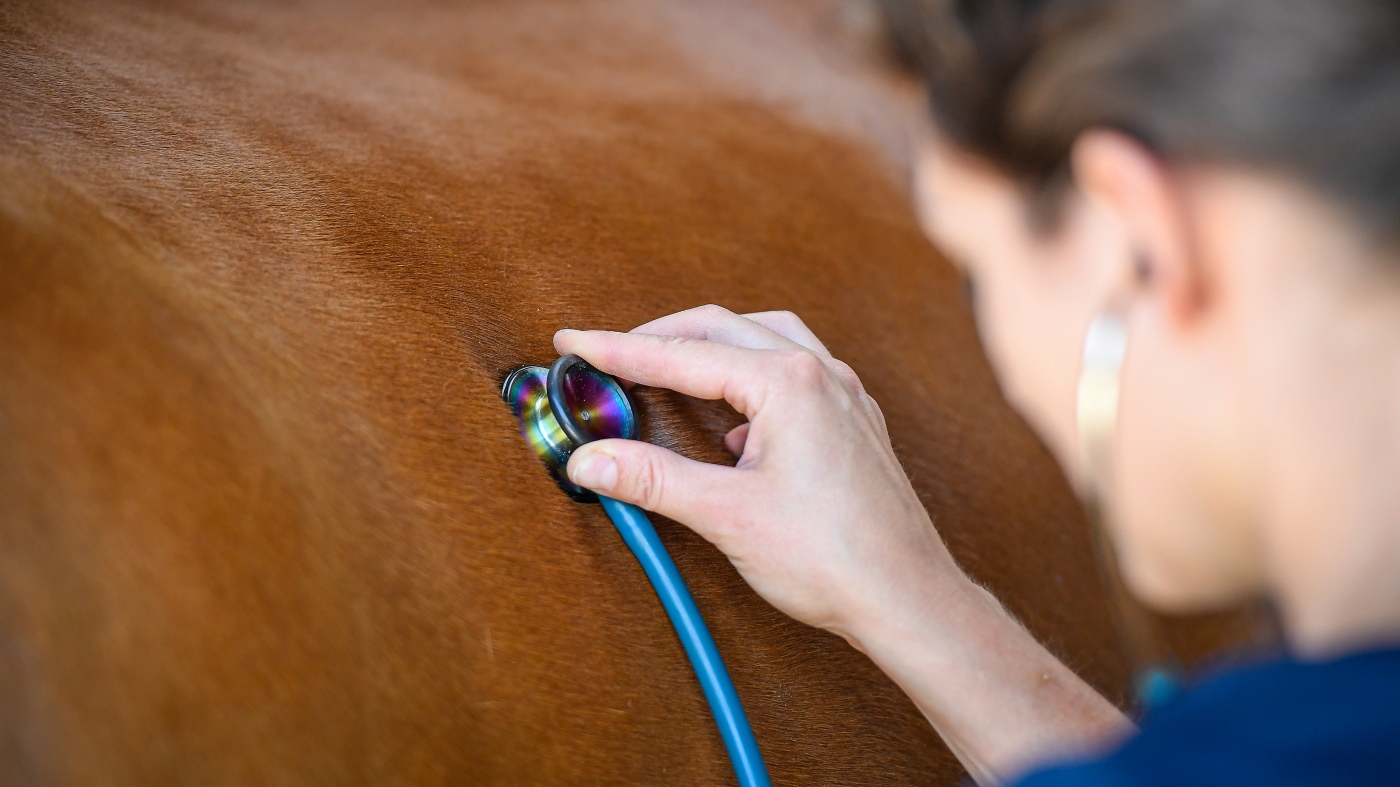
{"points": [[1308, 87]]}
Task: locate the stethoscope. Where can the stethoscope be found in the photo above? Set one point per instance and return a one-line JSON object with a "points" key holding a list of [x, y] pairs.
{"points": [[560, 409]]}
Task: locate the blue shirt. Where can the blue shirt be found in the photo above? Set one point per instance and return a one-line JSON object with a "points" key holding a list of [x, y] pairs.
{"points": [[1282, 722]]}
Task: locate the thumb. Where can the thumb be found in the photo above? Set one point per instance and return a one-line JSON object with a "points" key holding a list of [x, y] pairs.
{"points": [[652, 477]]}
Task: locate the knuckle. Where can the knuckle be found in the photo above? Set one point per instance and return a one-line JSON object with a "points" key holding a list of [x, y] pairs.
{"points": [[677, 342], [673, 346], [870, 404], [712, 311], [664, 364], [645, 482], [789, 319], [803, 369], [612, 354], [846, 375], [873, 408]]}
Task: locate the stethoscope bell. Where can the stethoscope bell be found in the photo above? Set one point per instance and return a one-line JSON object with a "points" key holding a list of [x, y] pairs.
{"points": [[565, 406]]}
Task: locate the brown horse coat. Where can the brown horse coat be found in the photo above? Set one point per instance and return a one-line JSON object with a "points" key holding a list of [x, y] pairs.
{"points": [[263, 518]]}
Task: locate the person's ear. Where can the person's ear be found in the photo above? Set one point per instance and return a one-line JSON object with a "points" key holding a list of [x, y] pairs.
{"points": [[1138, 193]]}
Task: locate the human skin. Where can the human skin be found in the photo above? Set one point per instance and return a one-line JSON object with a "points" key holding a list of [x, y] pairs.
{"points": [[1257, 443]]}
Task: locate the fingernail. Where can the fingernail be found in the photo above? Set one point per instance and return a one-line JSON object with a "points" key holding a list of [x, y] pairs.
{"points": [[596, 471]]}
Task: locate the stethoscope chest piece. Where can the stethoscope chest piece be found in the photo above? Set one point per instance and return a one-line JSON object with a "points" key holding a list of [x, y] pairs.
{"points": [[565, 406]]}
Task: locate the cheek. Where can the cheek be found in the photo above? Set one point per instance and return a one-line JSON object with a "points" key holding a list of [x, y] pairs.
{"points": [[1033, 302], [1033, 357], [1032, 319], [1181, 539]]}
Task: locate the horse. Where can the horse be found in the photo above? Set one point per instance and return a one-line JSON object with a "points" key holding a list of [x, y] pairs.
{"points": [[263, 516]]}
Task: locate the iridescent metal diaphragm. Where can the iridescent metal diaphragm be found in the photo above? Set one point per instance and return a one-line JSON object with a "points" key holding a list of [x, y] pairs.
{"points": [[592, 404]]}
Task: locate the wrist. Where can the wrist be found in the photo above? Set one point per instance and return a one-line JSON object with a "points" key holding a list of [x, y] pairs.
{"points": [[927, 603]]}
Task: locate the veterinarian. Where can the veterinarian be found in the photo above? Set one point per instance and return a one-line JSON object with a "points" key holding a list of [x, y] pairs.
{"points": [[1215, 183]]}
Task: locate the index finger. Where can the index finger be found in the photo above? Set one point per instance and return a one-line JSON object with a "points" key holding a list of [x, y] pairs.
{"points": [[695, 367], [718, 324]]}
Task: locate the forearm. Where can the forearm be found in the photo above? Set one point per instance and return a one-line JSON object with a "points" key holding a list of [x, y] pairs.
{"points": [[999, 699]]}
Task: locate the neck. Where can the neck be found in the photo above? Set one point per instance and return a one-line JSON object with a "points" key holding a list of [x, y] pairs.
{"points": [[1334, 533]]}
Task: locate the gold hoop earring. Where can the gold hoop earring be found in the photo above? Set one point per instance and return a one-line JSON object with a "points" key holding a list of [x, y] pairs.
{"points": [[1096, 402], [1155, 672]]}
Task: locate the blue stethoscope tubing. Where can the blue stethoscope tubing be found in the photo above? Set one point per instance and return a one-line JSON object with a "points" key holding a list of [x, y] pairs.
{"points": [[639, 535]]}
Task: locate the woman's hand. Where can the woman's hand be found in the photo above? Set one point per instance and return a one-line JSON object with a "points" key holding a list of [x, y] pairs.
{"points": [[820, 519], [818, 515]]}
